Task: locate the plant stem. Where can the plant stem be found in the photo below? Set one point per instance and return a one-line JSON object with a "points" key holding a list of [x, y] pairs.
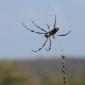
{"points": [[63, 68]]}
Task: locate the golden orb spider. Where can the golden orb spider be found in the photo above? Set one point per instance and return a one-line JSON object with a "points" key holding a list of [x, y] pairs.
{"points": [[46, 34]]}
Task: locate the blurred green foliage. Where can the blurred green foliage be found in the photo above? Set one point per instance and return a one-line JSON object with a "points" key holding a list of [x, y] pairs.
{"points": [[11, 75]]}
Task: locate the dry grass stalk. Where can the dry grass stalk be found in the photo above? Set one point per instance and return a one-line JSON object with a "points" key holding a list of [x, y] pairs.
{"points": [[63, 68]]}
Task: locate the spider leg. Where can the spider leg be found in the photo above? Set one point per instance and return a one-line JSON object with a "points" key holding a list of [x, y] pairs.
{"points": [[41, 46], [38, 27], [53, 37], [49, 45], [48, 27], [65, 33], [31, 30], [55, 22]]}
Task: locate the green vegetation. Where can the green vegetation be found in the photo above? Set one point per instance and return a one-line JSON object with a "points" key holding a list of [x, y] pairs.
{"points": [[10, 75], [16, 73]]}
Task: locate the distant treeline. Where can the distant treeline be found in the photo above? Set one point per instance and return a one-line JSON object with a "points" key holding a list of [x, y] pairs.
{"points": [[41, 72]]}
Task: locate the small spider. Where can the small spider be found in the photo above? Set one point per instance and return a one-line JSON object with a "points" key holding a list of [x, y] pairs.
{"points": [[46, 34]]}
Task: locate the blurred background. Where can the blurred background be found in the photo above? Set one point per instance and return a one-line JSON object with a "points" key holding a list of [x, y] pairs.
{"points": [[19, 65], [41, 72]]}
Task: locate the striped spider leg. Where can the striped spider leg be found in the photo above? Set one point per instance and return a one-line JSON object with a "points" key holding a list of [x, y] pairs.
{"points": [[47, 34]]}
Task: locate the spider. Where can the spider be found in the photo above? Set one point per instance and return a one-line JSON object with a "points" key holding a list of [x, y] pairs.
{"points": [[47, 34]]}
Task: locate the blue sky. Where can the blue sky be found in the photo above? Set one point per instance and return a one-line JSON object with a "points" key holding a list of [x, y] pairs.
{"points": [[17, 42]]}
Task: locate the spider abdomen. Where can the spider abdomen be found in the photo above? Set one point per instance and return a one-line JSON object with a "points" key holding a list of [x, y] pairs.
{"points": [[52, 32]]}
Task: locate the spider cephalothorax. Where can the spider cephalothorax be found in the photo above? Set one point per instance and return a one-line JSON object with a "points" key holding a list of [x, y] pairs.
{"points": [[47, 34]]}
